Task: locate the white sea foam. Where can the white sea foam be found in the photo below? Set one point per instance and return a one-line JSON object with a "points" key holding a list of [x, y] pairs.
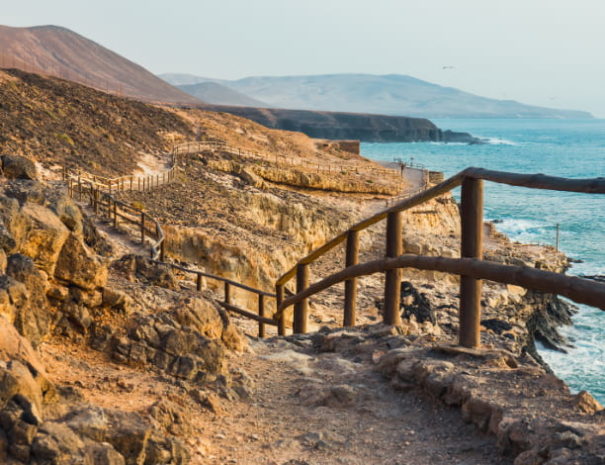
{"points": [[499, 141], [524, 230]]}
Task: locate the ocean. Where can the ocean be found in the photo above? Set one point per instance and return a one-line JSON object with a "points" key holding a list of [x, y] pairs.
{"points": [[568, 148]]}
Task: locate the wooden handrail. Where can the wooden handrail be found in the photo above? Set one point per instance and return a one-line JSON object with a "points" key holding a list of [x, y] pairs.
{"points": [[538, 181], [580, 290], [216, 277], [93, 189], [471, 180], [406, 204]]}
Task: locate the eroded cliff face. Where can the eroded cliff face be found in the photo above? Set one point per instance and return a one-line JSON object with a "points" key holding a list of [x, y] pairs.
{"points": [[278, 232], [59, 300]]}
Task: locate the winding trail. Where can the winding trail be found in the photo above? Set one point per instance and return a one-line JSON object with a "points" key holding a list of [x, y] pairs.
{"points": [[304, 407]]}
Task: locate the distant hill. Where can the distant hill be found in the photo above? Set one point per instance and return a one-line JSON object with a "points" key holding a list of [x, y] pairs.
{"points": [[389, 95], [213, 92], [60, 52]]}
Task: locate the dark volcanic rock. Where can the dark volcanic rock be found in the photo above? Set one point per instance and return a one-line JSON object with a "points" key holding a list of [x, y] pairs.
{"points": [[333, 125], [414, 303]]}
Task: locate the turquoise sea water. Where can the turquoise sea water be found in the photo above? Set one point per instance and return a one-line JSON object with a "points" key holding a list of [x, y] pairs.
{"points": [[574, 149]]}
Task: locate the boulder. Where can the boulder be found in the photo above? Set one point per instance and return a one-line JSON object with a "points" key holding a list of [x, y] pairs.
{"points": [[13, 345], [33, 318], [56, 443], [80, 266], [586, 403], [36, 231], [127, 432], [18, 167]]}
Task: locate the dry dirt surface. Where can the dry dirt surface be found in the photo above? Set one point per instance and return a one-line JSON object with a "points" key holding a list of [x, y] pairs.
{"points": [[58, 122], [319, 408]]}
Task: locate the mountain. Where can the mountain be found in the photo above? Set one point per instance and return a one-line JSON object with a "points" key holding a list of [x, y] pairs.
{"points": [[389, 94], [182, 79], [213, 92], [60, 52]]}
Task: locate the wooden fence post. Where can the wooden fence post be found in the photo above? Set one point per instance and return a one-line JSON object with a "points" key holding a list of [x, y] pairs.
{"points": [[227, 293], [352, 258], [472, 247], [301, 309], [115, 214], [261, 312], [279, 298], [143, 228], [198, 283], [392, 285]]}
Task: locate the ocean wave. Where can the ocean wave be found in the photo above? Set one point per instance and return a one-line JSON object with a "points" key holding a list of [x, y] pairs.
{"points": [[498, 141], [442, 143], [522, 229]]}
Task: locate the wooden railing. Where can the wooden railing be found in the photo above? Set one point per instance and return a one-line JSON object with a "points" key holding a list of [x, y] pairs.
{"points": [[335, 168], [150, 231], [471, 267], [133, 182]]}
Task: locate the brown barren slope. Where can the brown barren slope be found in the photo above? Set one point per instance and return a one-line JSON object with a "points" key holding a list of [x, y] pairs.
{"points": [[55, 121], [60, 52]]}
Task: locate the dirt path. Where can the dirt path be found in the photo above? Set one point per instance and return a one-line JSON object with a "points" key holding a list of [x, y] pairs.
{"points": [[321, 409]]}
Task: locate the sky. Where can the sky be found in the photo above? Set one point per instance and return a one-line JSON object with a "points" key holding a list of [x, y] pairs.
{"points": [[541, 52]]}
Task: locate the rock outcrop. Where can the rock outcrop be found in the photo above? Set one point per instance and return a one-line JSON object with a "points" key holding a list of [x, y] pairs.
{"points": [[334, 125], [54, 285]]}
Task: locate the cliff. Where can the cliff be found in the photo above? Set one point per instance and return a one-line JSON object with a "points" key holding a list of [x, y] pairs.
{"points": [[333, 125]]}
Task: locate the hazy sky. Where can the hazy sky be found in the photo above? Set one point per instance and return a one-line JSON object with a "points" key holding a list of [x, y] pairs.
{"points": [[544, 52]]}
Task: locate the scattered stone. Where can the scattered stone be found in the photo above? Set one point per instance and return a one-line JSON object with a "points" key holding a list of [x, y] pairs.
{"points": [[586, 403]]}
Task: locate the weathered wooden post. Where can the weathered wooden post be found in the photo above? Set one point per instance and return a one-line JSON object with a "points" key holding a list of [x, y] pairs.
{"points": [[472, 247], [392, 284], [227, 293], [301, 309], [279, 298], [351, 258], [198, 283], [79, 188], [261, 313], [143, 228], [115, 214]]}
